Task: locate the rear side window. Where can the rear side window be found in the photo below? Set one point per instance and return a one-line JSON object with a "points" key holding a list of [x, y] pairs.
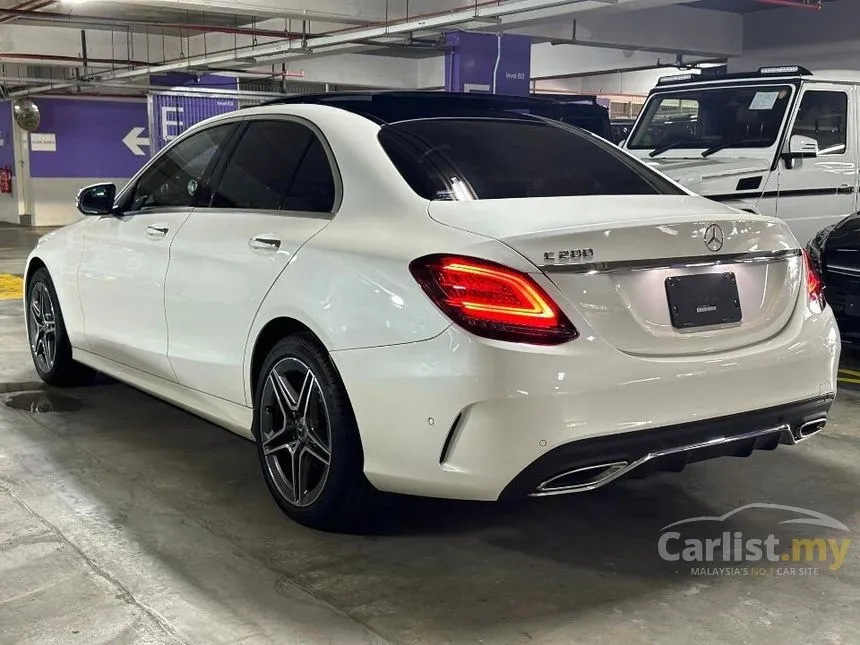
{"points": [[277, 165], [312, 188], [462, 159]]}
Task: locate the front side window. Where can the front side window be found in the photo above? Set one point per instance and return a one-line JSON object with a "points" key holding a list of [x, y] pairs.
{"points": [[175, 178], [737, 117], [823, 116], [496, 158], [277, 165]]}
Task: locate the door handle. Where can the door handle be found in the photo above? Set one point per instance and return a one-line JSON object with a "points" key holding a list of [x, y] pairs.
{"points": [[157, 230], [265, 242], [845, 189]]}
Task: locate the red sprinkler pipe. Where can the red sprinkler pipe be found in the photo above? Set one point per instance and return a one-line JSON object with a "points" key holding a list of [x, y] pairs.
{"points": [[796, 4]]}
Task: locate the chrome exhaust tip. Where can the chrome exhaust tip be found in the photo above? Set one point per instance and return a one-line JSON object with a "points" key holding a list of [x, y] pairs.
{"points": [[811, 427], [582, 479], [804, 430]]}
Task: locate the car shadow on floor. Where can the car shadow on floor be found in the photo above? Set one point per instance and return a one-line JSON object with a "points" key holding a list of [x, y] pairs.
{"points": [[440, 565]]}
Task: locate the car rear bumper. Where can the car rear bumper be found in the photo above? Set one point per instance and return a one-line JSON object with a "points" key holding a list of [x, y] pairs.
{"points": [[461, 417], [592, 463]]}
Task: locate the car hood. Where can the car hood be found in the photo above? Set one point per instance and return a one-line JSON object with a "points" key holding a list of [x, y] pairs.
{"points": [[710, 176]]}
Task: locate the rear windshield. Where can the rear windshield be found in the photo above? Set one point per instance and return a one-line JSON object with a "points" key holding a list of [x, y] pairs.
{"points": [[466, 159]]}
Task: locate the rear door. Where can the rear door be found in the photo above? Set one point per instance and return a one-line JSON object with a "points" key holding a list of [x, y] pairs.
{"points": [[815, 193], [274, 190]]}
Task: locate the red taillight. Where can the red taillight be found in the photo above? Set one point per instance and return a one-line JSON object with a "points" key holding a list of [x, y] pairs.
{"points": [[814, 285], [491, 300]]}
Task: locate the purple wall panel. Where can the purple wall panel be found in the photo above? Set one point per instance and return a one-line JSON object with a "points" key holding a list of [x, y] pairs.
{"points": [[7, 149], [514, 75], [94, 138], [174, 114], [472, 57]]}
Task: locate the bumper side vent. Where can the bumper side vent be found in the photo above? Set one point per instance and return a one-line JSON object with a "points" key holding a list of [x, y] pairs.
{"points": [[452, 434]]}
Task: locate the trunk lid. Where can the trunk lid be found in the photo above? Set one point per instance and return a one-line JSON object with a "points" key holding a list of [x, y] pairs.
{"points": [[611, 258]]}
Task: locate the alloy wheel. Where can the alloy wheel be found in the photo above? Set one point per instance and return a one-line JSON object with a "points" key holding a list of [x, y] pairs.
{"points": [[42, 327], [295, 432]]}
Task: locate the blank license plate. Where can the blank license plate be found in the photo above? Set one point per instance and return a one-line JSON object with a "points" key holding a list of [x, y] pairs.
{"points": [[703, 300]]}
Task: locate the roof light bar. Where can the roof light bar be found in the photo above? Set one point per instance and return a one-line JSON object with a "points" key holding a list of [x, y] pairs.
{"points": [[784, 69], [676, 78]]}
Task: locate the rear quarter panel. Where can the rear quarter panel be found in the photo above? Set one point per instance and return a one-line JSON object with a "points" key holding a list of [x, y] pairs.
{"points": [[350, 284]]}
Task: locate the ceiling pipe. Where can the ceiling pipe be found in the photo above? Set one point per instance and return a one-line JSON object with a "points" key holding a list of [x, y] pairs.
{"points": [[189, 91], [295, 47], [352, 35], [70, 19], [68, 60], [29, 5], [796, 4]]}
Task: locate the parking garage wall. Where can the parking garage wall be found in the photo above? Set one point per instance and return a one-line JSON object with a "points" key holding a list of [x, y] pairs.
{"points": [[81, 142]]}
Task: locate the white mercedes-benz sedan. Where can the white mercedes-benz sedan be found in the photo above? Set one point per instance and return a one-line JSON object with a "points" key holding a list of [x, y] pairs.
{"points": [[435, 295]]}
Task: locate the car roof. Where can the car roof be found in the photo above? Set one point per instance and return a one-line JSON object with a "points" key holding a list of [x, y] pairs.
{"points": [[388, 107]]}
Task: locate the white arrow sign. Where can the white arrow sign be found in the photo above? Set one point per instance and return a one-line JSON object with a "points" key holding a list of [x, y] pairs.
{"points": [[133, 141]]}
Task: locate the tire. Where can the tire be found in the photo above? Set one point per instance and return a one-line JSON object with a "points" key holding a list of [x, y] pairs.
{"points": [[46, 332], [298, 390]]}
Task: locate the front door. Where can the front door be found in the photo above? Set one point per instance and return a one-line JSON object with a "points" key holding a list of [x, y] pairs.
{"points": [[814, 193], [125, 258], [273, 192]]}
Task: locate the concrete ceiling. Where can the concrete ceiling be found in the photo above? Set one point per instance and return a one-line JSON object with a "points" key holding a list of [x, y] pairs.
{"points": [[741, 6], [365, 41]]}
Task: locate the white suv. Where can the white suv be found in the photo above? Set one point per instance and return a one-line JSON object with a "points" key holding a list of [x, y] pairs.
{"points": [[780, 142]]}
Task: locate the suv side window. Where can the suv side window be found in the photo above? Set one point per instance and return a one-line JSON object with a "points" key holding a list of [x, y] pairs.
{"points": [[277, 165], [823, 116], [174, 179]]}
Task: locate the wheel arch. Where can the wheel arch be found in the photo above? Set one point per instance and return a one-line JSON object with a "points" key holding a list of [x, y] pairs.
{"points": [[271, 333], [33, 265]]}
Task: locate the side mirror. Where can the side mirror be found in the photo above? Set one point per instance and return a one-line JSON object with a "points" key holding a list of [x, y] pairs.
{"points": [[799, 147], [97, 199]]}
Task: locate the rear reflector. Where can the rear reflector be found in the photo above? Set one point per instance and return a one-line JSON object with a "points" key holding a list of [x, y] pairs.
{"points": [[814, 285], [491, 300]]}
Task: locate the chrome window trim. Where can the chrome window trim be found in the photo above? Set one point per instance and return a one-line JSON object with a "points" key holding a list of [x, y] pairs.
{"points": [[844, 270], [327, 216], [760, 257]]}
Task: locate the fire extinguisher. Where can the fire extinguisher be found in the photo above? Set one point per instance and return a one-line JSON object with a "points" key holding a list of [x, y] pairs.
{"points": [[5, 180]]}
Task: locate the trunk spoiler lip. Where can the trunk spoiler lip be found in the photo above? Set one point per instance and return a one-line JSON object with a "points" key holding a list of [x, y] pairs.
{"points": [[620, 266]]}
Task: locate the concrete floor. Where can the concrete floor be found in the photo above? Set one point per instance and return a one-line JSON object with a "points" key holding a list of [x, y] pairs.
{"points": [[125, 520]]}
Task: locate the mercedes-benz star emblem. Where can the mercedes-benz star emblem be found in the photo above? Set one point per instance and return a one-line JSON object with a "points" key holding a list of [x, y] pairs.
{"points": [[714, 237]]}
